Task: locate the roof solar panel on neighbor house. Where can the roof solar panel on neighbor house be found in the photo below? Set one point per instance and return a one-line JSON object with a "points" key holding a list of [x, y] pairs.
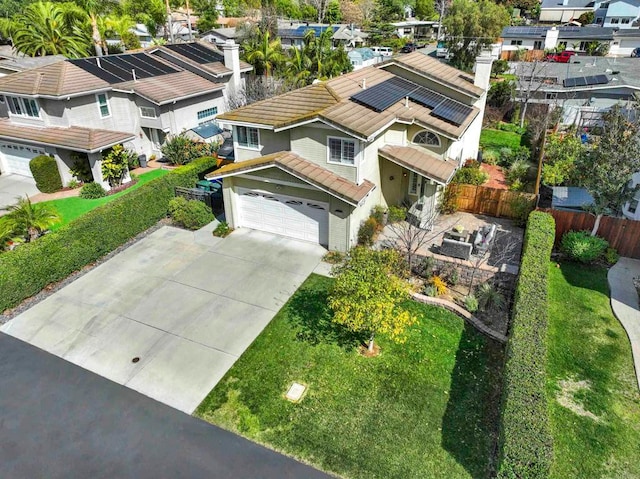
{"points": [[452, 111], [601, 79], [569, 82], [119, 68], [148, 63], [581, 81]]}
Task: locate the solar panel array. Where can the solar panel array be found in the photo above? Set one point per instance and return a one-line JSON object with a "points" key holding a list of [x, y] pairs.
{"points": [[389, 92], [585, 81], [196, 52], [119, 68]]}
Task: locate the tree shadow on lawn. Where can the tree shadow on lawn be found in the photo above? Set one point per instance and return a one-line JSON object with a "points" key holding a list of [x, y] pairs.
{"points": [[471, 420], [309, 311]]}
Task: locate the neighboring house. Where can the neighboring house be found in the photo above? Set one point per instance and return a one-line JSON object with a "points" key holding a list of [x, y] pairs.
{"points": [[545, 38], [416, 29], [292, 35], [312, 163], [12, 62], [364, 57], [562, 11], [79, 108], [620, 14], [219, 35]]}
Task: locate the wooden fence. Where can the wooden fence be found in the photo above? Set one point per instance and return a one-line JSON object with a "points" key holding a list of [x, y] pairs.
{"points": [[483, 200], [522, 55]]}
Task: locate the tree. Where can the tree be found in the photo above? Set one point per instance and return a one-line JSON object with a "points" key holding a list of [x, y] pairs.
{"points": [[425, 10], [587, 18], [207, 13], [151, 13], [115, 165], [500, 93], [47, 28], [606, 167], [120, 26], [29, 220], [529, 83], [560, 155], [298, 69], [472, 26], [367, 293], [95, 9], [263, 53], [257, 88], [333, 13], [180, 149]]}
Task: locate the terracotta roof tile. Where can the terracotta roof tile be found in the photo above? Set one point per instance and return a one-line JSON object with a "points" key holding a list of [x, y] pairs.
{"points": [[165, 88], [305, 170], [420, 161]]}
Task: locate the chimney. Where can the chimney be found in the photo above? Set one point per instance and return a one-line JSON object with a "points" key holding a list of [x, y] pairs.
{"points": [[232, 61], [483, 70], [551, 38]]}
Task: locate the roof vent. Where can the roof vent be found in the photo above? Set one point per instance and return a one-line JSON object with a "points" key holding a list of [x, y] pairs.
{"points": [[133, 73], [98, 62], [364, 83]]}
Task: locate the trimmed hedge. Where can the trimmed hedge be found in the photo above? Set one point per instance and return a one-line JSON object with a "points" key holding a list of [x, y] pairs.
{"points": [[31, 267], [526, 445], [45, 171]]}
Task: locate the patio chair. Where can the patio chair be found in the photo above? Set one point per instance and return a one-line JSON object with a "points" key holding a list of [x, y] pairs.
{"points": [[483, 239]]}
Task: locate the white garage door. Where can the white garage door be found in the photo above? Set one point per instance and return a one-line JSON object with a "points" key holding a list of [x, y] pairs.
{"points": [[284, 215], [16, 158]]}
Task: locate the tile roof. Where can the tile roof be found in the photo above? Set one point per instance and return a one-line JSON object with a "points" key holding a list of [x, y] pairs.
{"points": [[303, 169], [167, 88], [73, 138], [420, 161], [330, 101]]}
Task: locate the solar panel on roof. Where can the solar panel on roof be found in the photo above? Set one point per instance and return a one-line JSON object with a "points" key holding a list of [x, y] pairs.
{"points": [[119, 68], [115, 66], [146, 64], [383, 95], [601, 79], [569, 82], [581, 81], [89, 65], [452, 111], [195, 52], [426, 97]]}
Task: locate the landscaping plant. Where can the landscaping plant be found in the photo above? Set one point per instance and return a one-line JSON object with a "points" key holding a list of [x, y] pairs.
{"points": [[190, 214], [471, 303], [367, 231], [489, 298], [115, 165], [45, 171], [222, 230], [30, 221], [581, 246], [470, 174], [396, 214], [80, 168], [180, 150], [91, 191], [439, 284]]}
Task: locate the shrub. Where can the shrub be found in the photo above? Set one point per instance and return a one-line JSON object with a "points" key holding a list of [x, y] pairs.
{"points": [[73, 184], [500, 93], [28, 269], [471, 174], [115, 165], [190, 214], [509, 156], [611, 256], [397, 214], [430, 290], [520, 209], [581, 246], [222, 230], [526, 445], [180, 150], [334, 257], [449, 200], [489, 298], [517, 172], [80, 168], [378, 214], [439, 284], [91, 191], [425, 267], [471, 303], [367, 232], [45, 171]]}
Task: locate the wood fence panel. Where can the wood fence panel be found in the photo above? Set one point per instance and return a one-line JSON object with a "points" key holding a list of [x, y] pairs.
{"points": [[621, 233], [482, 200]]}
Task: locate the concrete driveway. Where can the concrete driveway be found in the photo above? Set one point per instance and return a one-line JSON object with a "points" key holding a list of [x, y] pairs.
{"points": [[186, 304], [12, 186]]}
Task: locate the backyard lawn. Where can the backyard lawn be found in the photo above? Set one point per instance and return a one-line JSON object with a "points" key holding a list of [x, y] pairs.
{"points": [[71, 208], [495, 139], [594, 398], [426, 408]]}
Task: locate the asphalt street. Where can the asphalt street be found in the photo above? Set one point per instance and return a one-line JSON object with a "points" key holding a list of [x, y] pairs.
{"points": [[58, 420]]}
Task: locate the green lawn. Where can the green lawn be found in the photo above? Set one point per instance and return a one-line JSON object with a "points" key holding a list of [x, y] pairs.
{"points": [[597, 430], [71, 208], [427, 408], [496, 139]]}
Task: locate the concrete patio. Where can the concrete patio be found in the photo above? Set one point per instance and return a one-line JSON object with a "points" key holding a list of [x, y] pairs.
{"points": [[12, 186]]}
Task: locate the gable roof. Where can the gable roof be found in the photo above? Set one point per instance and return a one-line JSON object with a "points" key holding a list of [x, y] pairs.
{"points": [[303, 169], [420, 161], [331, 103], [169, 88]]}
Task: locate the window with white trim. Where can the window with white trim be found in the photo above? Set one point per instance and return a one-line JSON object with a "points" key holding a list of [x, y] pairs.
{"points": [[624, 21], [148, 112], [103, 105], [516, 42], [615, 21], [207, 115], [21, 106], [342, 151], [414, 183], [426, 138], [537, 45], [248, 137]]}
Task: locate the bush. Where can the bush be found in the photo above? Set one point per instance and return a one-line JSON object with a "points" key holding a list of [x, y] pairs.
{"points": [[611, 256], [489, 298], [222, 230], [526, 445], [470, 174], [45, 171], [439, 284], [80, 168], [508, 156], [334, 257], [180, 150], [378, 214], [91, 191], [190, 214], [430, 290], [471, 303], [28, 269], [581, 246], [397, 214], [520, 209], [449, 200], [367, 232]]}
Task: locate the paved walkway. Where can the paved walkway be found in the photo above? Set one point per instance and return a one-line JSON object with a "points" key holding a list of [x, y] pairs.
{"points": [[12, 186], [624, 302], [186, 304], [60, 421]]}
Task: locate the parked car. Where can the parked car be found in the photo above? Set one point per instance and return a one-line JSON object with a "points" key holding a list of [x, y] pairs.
{"points": [[384, 51], [441, 49], [562, 57], [635, 53], [409, 47]]}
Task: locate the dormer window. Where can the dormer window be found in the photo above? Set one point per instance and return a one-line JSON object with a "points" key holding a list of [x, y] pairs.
{"points": [[20, 106], [426, 138]]}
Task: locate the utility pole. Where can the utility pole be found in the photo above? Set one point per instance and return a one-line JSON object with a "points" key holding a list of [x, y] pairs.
{"points": [[189, 22], [169, 22], [442, 3]]}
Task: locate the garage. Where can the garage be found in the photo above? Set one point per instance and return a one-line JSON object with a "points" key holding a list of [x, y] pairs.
{"points": [[289, 216], [15, 158]]}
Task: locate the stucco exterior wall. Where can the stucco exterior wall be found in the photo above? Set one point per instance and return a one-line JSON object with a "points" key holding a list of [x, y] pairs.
{"points": [[270, 142]]}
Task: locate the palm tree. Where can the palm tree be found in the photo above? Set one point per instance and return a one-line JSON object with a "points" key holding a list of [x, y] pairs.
{"points": [[30, 220], [119, 25], [95, 9], [298, 69], [264, 54], [46, 28]]}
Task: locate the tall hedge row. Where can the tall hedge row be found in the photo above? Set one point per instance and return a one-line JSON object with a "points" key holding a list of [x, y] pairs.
{"points": [[526, 446], [28, 269], [45, 172]]}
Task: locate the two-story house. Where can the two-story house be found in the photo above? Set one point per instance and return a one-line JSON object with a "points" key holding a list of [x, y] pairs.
{"points": [[312, 163], [79, 108]]}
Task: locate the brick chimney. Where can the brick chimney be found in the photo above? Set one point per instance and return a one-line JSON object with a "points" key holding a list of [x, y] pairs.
{"points": [[232, 62]]}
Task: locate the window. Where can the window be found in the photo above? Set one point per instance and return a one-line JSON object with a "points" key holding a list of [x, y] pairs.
{"points": [[624, 21], [615, 21], [23, 106], [537, 45], [103, 105], [583, 46], [562, 46], [551, 95], [342, 151], [516, 42], [599, 21], [426, 138], [148, 112], [248, 137], [207, 115], [414, 183]]}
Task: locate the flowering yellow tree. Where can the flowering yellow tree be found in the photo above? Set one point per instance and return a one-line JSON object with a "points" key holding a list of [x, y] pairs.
{"points": [[366, 294]]}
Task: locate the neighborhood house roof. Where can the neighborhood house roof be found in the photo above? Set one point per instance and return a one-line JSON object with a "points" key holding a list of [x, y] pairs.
{"points": [[570, 197], [303, 169], [567, 4], [168, 88], [332, 102], [74, 138], [568, 33], [420, 161]]}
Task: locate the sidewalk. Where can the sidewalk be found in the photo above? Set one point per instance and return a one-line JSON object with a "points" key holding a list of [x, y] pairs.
{"points": [[624, 302]]}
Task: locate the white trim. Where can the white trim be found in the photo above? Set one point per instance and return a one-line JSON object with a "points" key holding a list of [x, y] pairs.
{"points": [[245, 123], [21, 99], [106, 100], [142, 115], [438, 145], [356, 151], [247, 147]]}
